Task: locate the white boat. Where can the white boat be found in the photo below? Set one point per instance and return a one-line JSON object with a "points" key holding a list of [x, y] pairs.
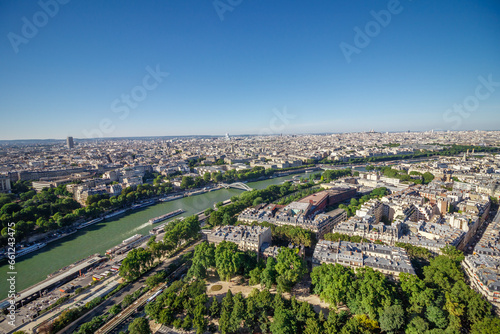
{"points": [[30, 249], [166, 216], [142, 205], [127, 244], [90, 222], [160, 228], [116, 213], [132, 239], [170, 198]]}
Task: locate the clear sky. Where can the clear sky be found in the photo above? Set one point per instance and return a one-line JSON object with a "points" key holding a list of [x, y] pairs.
{"points": [[82, 68]]}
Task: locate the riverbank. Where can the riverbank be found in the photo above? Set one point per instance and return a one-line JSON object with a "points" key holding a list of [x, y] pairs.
{"points": [[49, 237], [98, 238]]}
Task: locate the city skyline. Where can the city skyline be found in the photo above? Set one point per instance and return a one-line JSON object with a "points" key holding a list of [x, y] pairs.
{"points": [[173, 137], [250, 68], [114, 220]]}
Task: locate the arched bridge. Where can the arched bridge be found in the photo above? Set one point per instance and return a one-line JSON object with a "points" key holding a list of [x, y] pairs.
{"points": [[237, 185]]}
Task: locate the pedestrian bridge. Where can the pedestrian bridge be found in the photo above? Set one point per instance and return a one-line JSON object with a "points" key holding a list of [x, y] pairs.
{"points": [[237, 185]]}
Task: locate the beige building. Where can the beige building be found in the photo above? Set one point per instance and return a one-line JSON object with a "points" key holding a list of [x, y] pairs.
{"points": [[246, 237], [484, 276], [387, 259]]}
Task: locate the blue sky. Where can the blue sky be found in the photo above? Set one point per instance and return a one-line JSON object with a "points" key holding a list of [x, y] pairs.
{"points": [[246, 68]]}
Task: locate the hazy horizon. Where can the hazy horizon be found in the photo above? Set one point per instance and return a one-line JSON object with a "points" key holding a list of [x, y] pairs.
{"points": [[237, 135]]}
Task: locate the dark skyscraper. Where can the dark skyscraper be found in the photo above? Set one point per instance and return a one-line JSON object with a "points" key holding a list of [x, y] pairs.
{"points": [[69, 142]]}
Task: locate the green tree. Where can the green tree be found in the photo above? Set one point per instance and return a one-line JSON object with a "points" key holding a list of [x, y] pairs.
{"points": [[417, 325], [139, 326], [477, 307], [255, 276], [370, 293], [137, 259], [238, 312], [206, 177], [187, 324], [115, 309], [257, 201], [313, 326], [199, 320], [489, 325], [226, 310], [283, 322], [227, 259], [9, 208], [392, 319], [155, 279], [436, 316], [214, 308], [353, 326], [453, 253], [442, 272], [227, 219], [268, 276], [227, 301], [302, 311], [332, 282], [217, 177], [187, 182], [416, 292], [127, 300], [290, 268], [428, 177], [208, 212], [203, 259]]}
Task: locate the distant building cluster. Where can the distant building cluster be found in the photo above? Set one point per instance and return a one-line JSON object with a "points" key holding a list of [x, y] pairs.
{"points": [[449, 211], [414, 216], [277, 162], [112, 183], [376, 180]]}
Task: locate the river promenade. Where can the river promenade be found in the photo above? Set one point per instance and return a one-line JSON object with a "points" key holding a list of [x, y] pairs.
{"points": [[98, 238]]}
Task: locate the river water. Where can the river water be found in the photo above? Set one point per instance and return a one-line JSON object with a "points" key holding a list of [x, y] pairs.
{"points": [[102, 236]]}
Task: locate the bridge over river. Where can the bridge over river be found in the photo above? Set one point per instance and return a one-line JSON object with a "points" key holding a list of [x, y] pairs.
{"points": [[236, 185]]}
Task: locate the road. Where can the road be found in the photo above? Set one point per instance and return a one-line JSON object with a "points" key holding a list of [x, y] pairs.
{"points": [[73, 302], [469, 247], [118, 297], [131, 309]]}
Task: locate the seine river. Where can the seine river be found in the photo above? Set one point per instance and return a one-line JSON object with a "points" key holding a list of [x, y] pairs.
{"points": [[102, 236]]}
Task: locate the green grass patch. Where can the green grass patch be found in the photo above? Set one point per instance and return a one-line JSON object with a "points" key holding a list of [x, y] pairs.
{"points": [[217, 287]]}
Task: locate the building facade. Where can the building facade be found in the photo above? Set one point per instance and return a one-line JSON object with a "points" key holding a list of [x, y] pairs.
{"points": [[387, 259], [246, 237], [4, 184]]}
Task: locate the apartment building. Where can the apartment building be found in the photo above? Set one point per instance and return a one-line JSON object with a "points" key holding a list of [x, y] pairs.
{"points": [[484, 276], [387, 259], [246, 237], [294, 214], [368, 228], [5, 186]]}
